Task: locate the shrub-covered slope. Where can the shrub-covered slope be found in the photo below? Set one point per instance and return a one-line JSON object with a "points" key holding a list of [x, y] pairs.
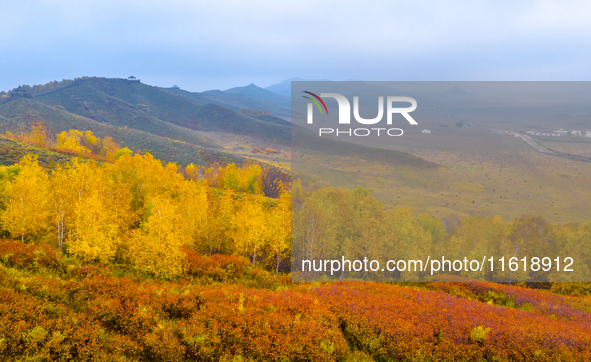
{"points": [[53, 307]]}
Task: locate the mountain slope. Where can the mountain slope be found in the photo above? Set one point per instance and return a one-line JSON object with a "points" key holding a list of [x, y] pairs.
{"points": [[270, 119], [20, 113], [92, 103], [145, 100]]}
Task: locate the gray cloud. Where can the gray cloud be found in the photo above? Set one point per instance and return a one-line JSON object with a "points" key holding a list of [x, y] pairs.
{"points": [[202, 45]]}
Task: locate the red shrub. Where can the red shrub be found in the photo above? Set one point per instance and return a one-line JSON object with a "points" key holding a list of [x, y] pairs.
{"points": [[218, 267], [405, 323], [29, 256], [30, 327], [262, 325], [541, 302]]}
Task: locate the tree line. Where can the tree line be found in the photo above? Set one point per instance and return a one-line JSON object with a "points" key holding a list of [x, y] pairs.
{"points": [[332, 223], [131, 208]]}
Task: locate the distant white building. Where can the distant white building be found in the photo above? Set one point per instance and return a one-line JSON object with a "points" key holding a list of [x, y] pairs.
{"points": [[575, 133], [425, 131]]}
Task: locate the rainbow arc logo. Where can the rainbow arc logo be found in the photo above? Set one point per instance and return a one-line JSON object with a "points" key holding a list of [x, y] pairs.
{"points": [[316, 103]]}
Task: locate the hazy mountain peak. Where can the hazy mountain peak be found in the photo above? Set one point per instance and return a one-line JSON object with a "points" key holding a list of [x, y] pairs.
{"points": [[284, 88], [456, 90]]}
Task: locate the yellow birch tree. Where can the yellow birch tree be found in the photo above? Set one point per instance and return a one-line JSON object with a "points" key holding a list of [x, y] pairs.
{"points": [[26, 200], [251, 231], [94, 234], [280, 229], [156, 249], [193, 211]]}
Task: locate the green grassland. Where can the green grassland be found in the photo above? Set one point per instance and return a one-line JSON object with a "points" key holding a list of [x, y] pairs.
{"points": [[20, 113], [91, 103], [12, 151], [169, 108]]}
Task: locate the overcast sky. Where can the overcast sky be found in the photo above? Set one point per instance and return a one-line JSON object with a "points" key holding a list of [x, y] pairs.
{"points": [[201, 45]]}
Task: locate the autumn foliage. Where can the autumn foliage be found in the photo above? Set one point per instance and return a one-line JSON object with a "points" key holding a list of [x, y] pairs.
{"points": [[136, 260], [98, 316], [72, 142], [407, 323], [137, 210], [71, 311]]}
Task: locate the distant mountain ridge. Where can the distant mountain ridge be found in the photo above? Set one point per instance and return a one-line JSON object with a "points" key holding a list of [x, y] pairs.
{"points": [[261, 94], [249, 97]]}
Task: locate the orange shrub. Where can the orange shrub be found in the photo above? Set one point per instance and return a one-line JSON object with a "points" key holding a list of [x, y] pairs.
{"points": [[230, 268], [262, 325], [47, 331], [540, 302], [163, 321], [28, 256], [405, 323], [218, 267]]}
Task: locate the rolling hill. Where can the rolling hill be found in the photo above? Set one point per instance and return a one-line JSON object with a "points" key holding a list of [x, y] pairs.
{"points": [[20, 113], [89, 102], [262, 94], [172, 124], [139, 106]]}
